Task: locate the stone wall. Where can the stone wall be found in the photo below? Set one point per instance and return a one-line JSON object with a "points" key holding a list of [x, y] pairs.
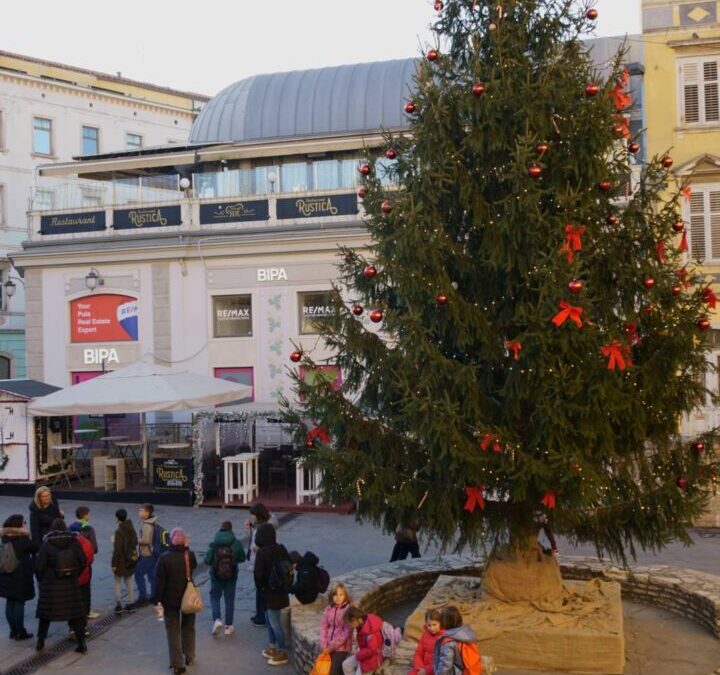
{"points": [[711, 517], [688, 593]]}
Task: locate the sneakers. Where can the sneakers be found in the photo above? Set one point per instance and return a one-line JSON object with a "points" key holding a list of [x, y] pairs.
{"points": [[93, 615], [260, 623], [269, 652], [129, 608], [217, 627], [280, 658], [229, 630], [118, 608]]}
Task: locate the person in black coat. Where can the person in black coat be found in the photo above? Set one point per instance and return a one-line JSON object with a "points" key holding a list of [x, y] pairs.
{"points": [[18, 586], [58, 565], [43, 510], [171, 575], [306, 586]]}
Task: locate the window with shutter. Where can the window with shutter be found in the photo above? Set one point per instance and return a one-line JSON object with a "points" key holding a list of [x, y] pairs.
{"points": [[714, 217], [710, 81], [697, 225], [691, 90], [699, 91]]}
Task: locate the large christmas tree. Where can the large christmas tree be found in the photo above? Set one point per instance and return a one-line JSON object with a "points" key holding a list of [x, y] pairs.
{"points": [[542, 330]]}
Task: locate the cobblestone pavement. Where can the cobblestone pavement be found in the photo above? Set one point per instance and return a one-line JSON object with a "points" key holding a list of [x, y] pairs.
{"points": [[137, 641]]}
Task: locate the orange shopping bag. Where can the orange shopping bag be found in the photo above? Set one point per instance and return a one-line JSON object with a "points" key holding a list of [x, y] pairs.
{"points": [[322, 666]]}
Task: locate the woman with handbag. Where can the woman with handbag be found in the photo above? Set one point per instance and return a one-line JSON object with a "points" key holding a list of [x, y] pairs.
{"points": [[177, 599]]}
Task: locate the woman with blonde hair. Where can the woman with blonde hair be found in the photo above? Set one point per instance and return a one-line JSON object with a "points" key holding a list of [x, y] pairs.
{"points": [[43, 510], [335, 633]]}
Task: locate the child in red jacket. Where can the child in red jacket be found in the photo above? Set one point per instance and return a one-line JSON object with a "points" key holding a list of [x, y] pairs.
{"points": [[424, 654], [368, 658]]}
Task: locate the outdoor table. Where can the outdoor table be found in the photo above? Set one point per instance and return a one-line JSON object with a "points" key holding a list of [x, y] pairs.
{"points": [[86, 437], [70, 448], [241, 477], [130, 450], [307, 483], [173, 446], [112, 439]]}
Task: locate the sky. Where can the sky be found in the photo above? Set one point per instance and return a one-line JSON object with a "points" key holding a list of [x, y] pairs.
{"points": [[205, 45]]}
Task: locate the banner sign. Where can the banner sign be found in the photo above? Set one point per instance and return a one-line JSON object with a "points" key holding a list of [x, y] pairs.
{"points": [[67, 223], [104, 318], [317, 207], [172, 474], [156, 216], [234, 212]]}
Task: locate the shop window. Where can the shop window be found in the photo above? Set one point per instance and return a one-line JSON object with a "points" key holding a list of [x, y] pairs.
{"points": [[90, 140], [315, 308], [42, 136], [232, 316], [239, 376]]}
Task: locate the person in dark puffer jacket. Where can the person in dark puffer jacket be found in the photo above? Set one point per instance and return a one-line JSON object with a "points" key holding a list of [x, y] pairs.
{"points": [[18, 586], [305, 588], [60, 598], [44, 509]]}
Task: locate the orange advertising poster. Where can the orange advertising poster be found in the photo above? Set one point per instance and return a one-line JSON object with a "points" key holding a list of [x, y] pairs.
{"points": [[104, 318]]}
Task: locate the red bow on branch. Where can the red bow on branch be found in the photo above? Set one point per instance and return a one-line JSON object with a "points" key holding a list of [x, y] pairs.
{"points": [[549, 499], [632, 333], [515, 348], [710, 297], [687, 193], [661, 252], [620, 98], [573, 242], [490, 439], [624, 125], [318, 433], [618, 355], [682, 275], [568, 311], [684, 242], [474, 498]]}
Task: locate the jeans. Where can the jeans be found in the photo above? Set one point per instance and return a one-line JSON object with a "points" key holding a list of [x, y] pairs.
{"points": [[129, 586], [401, 550], [15, 615], [145, 568], [259, 606], [275, 628], [180, 629], [223, 588]]}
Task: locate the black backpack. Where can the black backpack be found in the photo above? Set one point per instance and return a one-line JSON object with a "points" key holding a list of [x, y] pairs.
{"points": [[224, 563], [281, 576], [67, 563]]}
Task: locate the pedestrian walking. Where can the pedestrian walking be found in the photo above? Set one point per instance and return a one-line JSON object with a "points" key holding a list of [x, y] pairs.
{"points": [[173, 569], [259, 515], [368, 657], [222, 557], [406, 542], [124, 561], [17, 583], [44, 509], [274, 578], [335, 632], [58, 565], [147, 560]]}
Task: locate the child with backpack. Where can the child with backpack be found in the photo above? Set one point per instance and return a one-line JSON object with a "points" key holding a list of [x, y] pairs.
{"points": [[372, 650], [310, 578], [456, 652], [124, 561], [222, 557], [274, 578], [152, 543], [424, 657]]}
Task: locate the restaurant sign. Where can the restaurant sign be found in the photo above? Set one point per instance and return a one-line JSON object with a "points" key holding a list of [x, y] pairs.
{"points": [[234, 212], [317, 207], [104, 317], [156, 216], [67, 223], [172, 474]]}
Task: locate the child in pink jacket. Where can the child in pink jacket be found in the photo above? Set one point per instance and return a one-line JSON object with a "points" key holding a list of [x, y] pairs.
{"points": [[335, 633]]}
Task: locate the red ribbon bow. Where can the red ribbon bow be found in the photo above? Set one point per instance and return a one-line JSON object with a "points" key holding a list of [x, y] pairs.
{"points": [[661, 252], [687, 193], [489, 439], [684, 241], [474, 498], [318, 433], [710, 297], [573, 242], [568, 311], [621, 99], [682, 275], [549, 499], [617, 355], [624, 124], [515, 348], [632, 333]]}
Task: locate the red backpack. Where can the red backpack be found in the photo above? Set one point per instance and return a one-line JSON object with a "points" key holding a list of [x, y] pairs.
{"points": [[470, 659], [84, 576]]}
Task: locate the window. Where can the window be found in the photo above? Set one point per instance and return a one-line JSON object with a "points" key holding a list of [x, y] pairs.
{"points": [[4, 368], [44, 200], [42, 136], [294, 177], [232, 316], [90, 140], [705, 222], [315, 307], [2, 131], [2, 205], [239, 376], [133, 141], [699, 91]]}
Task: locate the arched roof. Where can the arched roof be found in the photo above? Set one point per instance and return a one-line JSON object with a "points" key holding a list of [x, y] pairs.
{"points": [[324, 101]]}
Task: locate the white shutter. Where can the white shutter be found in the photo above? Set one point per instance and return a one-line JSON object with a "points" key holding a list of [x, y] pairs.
{"points": [[715, 223], [697, 225], [690, 79], [710, 91]]}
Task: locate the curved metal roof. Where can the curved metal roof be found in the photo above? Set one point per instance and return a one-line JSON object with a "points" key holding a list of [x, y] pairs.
{"points": [[335, 100]]}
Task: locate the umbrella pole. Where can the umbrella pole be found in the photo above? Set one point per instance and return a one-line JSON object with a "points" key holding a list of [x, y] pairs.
{"points": [[143, 431]]}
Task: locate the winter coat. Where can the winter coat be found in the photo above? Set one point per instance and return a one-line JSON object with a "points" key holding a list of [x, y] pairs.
{"points": [[145, 536], [225, 538], [86, 574], [335, 634], [305, 588], [125, 555], [60, 599], [370, 644], [19, 585], [170, 578], [41, 519], [424, 657], [252, 546], [447, 659], [268, 552], [86, 530]]}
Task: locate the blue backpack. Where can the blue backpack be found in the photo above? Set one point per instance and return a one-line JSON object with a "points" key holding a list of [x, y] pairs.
{"points": [[160, 541]]}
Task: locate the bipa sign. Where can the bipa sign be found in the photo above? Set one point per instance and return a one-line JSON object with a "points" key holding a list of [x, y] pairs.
{"points": [[96, 357], [272, 274]]}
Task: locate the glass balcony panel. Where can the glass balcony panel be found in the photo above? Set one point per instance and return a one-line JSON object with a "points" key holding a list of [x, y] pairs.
{"points": [[294, 177], [327, 174]]}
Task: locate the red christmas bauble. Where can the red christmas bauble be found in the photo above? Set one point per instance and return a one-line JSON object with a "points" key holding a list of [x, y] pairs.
{"points": [[365, 169], [679, 225], [309, 443], [611, 219], [682, 482], [542, 148], [386, 206], [478, 89], [535, 171], [703, 323], [409, 108], [698, 446], [296, 356], [357, 310], [667, 161], [591, 89], [592, 14], [633, 148], [376, 316], [370, 271], [604, 185], [391, 153], [676, 289], [649, 282], [575, 286], [438, 6], [649, 309], [442, 299], [362, 192], [432, 55]]}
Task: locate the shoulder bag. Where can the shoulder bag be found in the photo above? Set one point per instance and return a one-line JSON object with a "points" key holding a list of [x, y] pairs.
{"points": [[192, 602]]}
